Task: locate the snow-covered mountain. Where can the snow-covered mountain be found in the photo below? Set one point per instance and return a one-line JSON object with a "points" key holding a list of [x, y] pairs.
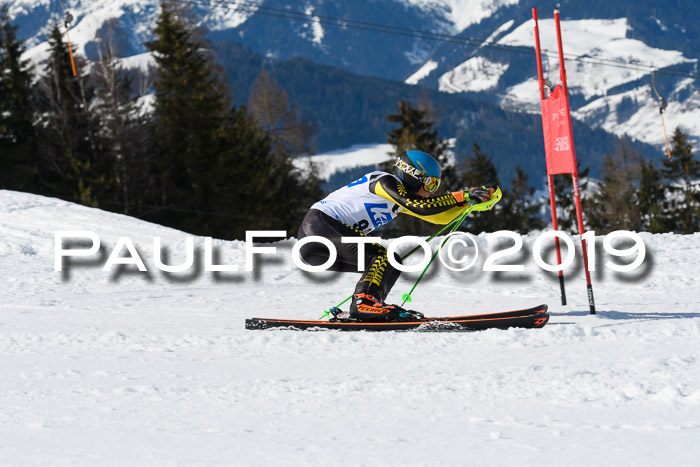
{"points": [[275, 28], [616, 99], [608, 73], [129, 367], [358, 156]]}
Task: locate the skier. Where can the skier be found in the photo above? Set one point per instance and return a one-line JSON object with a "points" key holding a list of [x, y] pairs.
{"points": [[368, 203]]}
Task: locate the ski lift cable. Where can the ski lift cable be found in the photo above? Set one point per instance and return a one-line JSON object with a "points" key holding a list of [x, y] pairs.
{"points": [[63, 5], [352, 24], [401, 31], [662, 106], [337, 21]]}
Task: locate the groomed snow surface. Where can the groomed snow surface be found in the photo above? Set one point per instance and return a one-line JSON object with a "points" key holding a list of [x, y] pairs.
{"points": [[133, 368]]}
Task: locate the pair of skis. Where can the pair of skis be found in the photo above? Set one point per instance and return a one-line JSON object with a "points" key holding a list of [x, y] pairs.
{"points": [[535, 317]]}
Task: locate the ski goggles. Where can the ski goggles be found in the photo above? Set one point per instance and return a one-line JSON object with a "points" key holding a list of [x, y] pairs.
{"points": [[431, 184]]}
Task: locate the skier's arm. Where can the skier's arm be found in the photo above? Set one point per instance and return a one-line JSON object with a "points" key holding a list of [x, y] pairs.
{"points": [[436, 209]]}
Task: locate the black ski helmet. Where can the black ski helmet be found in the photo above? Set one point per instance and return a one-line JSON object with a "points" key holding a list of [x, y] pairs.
{"points": [[417, 169]]}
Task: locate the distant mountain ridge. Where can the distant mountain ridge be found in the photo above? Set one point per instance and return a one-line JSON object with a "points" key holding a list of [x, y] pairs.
{"points": [[351, 109], [297, 42], [610, 85]]}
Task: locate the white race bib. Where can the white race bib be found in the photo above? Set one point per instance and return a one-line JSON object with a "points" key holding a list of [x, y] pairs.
{"points": [[355, 205]]}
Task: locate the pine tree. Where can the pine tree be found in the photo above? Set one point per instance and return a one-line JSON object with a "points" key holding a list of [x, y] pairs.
{"points": [[521, 213], [269, 105], [71, 167], [682, 173], [216, 171], [18, 164], [190, 111], [416, 132], [614, 207], [566, 204], [479, 171], [120, 128], [651, 198], [279, 120]]}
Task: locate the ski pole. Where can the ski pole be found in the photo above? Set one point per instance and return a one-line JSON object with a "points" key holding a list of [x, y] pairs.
{"points": [[496, 197], [461, 216], [485, 206], [407, 296], [446, 226], [455, 223]]}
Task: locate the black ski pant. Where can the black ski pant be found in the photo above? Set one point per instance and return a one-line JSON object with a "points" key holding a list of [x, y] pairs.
{"points": [[379, 275]]}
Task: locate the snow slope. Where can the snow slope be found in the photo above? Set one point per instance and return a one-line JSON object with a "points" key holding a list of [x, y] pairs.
{"points": [[606, 40], [643, 121], [617, 99], [129, 368], [358, 155], [597, 39], [476, 74], [422, 72], [461, 13]]}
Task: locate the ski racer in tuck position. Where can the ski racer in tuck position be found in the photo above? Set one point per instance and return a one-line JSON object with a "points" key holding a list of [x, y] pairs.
{"points": [[368, 203]]}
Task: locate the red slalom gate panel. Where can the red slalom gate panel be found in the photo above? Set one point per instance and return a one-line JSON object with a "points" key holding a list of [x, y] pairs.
{"points": [[558, 140]]}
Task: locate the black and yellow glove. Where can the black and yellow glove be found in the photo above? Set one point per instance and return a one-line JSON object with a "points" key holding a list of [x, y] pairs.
{"points": [[479, 195], [474, 195]]}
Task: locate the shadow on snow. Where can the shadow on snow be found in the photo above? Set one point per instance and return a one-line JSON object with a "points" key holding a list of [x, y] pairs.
{"points": [[621, 315]]}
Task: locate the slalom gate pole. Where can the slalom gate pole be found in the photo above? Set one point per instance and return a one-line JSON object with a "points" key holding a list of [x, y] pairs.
{"points": [[550, 177], [555, 226], [574, 175], [457, 220]]}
